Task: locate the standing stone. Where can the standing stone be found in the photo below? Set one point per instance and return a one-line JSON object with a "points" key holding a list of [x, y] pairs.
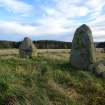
{"points": [[26, 48], [82, 53]]}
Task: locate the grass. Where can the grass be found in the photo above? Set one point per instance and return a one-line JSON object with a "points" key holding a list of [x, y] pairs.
{"points": [[48, 79]]}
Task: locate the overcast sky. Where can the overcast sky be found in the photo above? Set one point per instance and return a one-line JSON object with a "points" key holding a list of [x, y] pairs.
{"points": [[50, 19]]}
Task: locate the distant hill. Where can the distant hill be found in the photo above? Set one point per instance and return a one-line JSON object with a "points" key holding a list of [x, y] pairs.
{"points": [[9, 44], [49, 44], [100, 44], [45, 44], [41, 44]]}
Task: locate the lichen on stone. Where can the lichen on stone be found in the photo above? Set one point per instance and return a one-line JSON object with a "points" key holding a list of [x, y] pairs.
{"points": [[83, 44]]}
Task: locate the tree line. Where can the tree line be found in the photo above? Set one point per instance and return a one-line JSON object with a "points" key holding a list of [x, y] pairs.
{"points": [[45, 44]]}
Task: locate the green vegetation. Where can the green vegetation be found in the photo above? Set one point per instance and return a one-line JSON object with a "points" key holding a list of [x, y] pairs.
{"points": [[41, 44], [48, 79]]}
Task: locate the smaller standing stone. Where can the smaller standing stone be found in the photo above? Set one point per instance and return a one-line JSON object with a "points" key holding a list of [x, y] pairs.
{"points": [[26, 48]]}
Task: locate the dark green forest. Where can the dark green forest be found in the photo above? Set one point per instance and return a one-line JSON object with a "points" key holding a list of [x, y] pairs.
{"points": [[45, 44]]}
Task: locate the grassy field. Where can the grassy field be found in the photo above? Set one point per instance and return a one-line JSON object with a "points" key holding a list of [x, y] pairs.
{"points": [[47, 79]]}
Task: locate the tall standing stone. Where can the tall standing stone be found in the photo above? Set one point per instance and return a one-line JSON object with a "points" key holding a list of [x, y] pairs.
{"points": [[26, 48], [82, 53]]}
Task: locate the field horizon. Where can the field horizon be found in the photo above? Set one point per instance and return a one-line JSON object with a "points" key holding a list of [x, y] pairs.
{"points": [[45, 44]]}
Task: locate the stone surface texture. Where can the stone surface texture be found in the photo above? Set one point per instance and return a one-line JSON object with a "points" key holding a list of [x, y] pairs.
{"points": [[83, 51]]}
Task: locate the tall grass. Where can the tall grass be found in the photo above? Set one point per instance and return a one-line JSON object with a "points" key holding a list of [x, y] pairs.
{"points": [[48, 79]]}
